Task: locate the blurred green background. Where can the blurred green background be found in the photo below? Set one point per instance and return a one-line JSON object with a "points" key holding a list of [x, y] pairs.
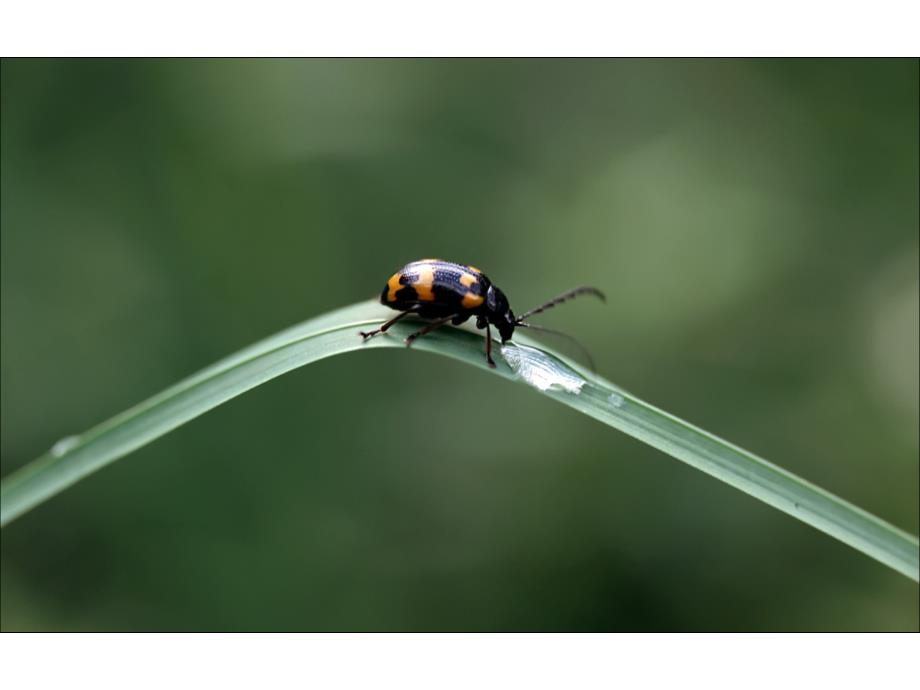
{"points": [[754, 223]]}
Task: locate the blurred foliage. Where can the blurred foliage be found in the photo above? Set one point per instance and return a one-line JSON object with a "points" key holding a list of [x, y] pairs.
{"points": [[754, 223]]}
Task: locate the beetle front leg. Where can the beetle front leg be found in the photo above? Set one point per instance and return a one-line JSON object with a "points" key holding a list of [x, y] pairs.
{"points": [[489, 346]]}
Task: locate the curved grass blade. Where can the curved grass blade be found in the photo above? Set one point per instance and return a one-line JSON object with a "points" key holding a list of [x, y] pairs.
{"points": [[555, 376]]}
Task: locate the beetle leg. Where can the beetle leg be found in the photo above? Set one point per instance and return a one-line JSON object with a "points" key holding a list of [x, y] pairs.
{"points": [[489, 346], [427, 329], [383, 328]]}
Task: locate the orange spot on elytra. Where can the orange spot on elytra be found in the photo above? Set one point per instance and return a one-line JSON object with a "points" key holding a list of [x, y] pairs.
{"points": [[467, 279], [393, 285], [471, 301], [424, 284]]}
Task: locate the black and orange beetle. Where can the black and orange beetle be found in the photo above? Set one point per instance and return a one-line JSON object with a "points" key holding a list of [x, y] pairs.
{"points": [[442, 291]]}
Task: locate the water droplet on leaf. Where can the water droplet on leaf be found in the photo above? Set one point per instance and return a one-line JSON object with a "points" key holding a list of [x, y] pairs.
{"points": [[540, 370]]}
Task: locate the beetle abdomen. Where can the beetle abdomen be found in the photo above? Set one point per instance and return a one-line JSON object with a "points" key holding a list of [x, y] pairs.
{"points": [[435, 287]]}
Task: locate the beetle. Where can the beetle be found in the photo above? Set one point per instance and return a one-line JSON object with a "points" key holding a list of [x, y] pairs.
{"points": [[442, 291]]}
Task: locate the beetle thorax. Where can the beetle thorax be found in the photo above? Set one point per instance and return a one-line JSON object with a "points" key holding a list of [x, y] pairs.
{"points": [[499, 313]]}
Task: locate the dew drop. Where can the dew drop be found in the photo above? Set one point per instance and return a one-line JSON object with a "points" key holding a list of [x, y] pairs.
{"points": [[541, 371], [616, 400], [65, 444]]}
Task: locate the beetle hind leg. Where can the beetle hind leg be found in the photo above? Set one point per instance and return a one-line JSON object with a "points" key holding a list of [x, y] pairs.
{"points": [[427, 329], [489, 347], [383, 327]]}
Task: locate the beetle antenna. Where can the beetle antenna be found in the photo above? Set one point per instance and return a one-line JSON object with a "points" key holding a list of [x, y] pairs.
{"points": [[568, 337], [564, 297]]}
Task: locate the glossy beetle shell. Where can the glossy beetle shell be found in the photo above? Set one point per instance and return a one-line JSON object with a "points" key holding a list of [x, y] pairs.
{"points": [[433, 287]]}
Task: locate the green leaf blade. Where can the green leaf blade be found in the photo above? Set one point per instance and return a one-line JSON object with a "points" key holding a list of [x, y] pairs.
{"points": [[754, 476], [337, 333]]}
